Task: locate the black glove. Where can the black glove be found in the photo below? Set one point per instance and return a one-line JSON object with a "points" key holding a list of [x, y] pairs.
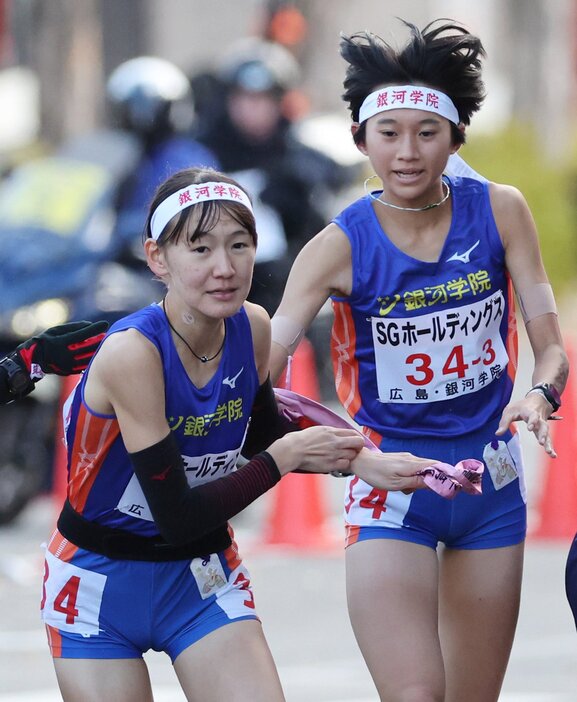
{"points": [[63, 350]]}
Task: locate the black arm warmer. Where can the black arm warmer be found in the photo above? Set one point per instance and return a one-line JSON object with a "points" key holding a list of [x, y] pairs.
{"points": [[266, 424], [182, 513]]}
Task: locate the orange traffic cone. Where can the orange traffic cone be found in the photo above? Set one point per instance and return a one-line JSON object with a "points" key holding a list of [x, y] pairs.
{"points": [[298, 513], [557, 512]]}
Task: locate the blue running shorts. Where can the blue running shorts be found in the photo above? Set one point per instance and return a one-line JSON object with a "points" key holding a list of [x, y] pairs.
{"points": [[95, 607], [494, 519]]}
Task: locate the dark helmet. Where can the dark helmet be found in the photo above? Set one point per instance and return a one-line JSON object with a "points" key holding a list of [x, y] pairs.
{"points": [[150, 95], [259, 66]]}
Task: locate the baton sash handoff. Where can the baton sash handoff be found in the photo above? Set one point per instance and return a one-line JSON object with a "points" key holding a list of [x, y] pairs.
{"points": [[445, 479]]}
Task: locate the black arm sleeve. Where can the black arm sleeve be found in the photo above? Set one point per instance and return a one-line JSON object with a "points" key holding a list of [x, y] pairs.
{"points": [[182, 513], [266, 424]]}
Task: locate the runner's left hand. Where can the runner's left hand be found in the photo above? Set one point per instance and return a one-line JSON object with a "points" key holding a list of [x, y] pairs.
{"points": [[534, 410], [64, 349]]}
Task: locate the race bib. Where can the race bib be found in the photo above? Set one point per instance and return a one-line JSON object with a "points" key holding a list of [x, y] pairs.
{"points": [[500, 463], [234, 594], [209, 575], [71, 597], [442, 355]]}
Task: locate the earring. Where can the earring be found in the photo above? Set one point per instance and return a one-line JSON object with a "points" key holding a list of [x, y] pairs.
{"points": [[368, 180]]}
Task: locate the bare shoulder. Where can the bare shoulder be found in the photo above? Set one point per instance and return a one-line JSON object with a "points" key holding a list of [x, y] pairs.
{"points": [[512, 214], [506, 200], [122, 362], [256, 313], [258, 318], [126, 379], [124, 351], [330, 240]]}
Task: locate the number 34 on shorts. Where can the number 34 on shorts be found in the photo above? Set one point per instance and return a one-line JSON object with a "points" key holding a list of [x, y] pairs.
{"points": [[71, 597]]}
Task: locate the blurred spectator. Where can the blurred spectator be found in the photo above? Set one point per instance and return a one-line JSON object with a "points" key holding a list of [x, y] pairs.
{"points": [[246, 111], [151, 98]]}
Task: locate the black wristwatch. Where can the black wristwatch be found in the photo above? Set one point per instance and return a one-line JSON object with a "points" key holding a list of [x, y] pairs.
{"points": [[17, 379], [550, 393]]}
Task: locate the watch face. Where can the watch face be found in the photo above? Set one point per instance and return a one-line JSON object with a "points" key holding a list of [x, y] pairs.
{"points": [[19, 382]]}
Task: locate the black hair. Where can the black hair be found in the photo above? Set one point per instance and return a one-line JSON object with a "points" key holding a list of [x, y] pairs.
{"points": [[443, 55], [210, 210]]}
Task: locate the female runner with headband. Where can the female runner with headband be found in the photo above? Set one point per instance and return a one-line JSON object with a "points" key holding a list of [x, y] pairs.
{"points": [[421, 275], [143, 556]]}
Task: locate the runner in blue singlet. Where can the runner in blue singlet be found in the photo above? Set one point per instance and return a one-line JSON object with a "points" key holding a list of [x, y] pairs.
{"points": [[143, 556], [421, 274]]}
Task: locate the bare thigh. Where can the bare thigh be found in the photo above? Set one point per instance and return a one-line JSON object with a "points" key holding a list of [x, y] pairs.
{"points": [[392, 591], [479, 606], [233, 663], [99, 680]]}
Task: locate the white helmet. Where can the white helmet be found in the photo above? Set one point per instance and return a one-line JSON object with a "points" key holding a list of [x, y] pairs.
{"points": [[149, 94]]}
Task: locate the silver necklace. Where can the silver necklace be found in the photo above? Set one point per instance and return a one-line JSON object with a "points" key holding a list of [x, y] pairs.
{"points": [[202, 359], [431, 206]]}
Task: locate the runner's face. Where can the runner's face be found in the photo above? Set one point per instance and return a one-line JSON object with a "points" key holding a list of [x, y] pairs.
{"points": [[213, 274], [408, 150]]}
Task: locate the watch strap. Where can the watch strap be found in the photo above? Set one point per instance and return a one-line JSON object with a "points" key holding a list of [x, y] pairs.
{"points": [[549, 393]]}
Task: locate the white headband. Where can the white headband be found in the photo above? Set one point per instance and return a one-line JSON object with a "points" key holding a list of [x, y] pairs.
{"points": [[395, 97], [192, 195]]}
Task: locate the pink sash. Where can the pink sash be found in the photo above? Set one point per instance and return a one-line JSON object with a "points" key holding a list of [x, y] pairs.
{"points": [[443, 478]]}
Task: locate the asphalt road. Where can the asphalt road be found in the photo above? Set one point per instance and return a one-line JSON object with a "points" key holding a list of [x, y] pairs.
{"points": [[301, 599]]}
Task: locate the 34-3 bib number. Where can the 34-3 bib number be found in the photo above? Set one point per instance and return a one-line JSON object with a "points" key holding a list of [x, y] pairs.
{"points": [[441, 355], [454, 366]]}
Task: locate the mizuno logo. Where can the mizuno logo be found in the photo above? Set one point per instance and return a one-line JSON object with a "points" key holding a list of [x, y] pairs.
{"points": [[464, 257], [162, 475], [231, 382]]}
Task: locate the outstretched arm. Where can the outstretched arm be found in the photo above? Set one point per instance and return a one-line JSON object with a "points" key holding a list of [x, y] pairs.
{"points": [[391, 471], [63, 350], [523, 260], [322, 268], [182, 513]]}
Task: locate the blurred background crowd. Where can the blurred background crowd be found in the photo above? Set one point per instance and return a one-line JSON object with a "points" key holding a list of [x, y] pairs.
{"points": [[103, 99]]}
